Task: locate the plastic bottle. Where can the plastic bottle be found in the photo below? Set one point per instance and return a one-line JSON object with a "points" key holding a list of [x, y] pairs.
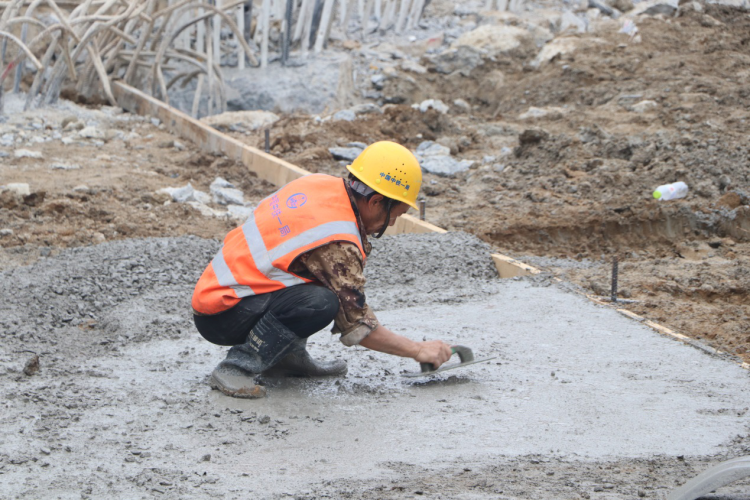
{"points": [[671, 191]]}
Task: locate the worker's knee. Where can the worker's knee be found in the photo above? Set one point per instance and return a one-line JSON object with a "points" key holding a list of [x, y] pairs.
{"points": [[323, 302], [305, 309], [315, 309]]}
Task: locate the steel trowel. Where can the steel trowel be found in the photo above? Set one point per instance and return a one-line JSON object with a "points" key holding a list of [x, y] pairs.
{"points": [[465, 354]]}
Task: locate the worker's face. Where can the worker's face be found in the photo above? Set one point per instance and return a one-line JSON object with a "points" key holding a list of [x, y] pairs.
{"points": [[375, 212]]}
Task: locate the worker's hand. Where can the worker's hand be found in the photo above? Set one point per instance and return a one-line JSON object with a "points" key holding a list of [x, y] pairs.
{"points": [[435, 352]]}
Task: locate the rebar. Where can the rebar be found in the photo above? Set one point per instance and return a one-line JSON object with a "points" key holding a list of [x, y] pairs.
{"points": [[97, 41], [613, 294]]}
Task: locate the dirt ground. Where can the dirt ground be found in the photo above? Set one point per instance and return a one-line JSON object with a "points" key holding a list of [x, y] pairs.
{"points": [[111, 191], [574, 189], [566, 192]]}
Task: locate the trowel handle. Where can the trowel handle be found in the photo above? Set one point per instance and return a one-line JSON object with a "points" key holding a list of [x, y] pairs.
{"points": [[465, 354]]}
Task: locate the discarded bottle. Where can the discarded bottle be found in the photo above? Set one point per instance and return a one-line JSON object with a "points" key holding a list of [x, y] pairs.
{"points": [[671, 191]]}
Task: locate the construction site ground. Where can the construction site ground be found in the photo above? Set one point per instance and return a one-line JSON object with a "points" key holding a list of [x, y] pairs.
{"points": [[582, 402]]}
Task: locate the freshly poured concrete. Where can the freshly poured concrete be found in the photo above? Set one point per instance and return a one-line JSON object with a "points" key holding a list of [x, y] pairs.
{"points": [[572, 379], [123, 409]]}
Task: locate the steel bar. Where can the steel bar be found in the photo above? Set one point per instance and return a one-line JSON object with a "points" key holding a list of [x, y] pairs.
{"points": [[615, 270]]}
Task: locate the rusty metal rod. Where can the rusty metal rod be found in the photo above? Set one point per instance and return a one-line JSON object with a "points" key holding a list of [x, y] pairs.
{"points": [[615, 271]]}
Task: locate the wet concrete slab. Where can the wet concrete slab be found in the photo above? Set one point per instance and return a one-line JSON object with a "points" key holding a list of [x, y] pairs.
{"points": [[573, 379], [131, 414]]}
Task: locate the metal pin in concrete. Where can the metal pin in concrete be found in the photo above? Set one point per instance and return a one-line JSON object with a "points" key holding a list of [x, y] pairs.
{"points": [[268, 140], [615, 266], [422, 208]]}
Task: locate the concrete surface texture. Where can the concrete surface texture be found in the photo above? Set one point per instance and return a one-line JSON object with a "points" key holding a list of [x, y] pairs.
{"points": [[120, 405]]}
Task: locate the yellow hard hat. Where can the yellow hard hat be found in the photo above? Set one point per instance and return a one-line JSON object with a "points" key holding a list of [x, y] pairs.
{"points": [[391, 170]]}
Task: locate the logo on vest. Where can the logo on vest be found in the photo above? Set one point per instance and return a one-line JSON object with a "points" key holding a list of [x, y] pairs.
{"points": [[296, 200]]}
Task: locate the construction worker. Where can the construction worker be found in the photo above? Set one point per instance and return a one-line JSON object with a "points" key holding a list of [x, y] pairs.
{"points": [[297, 264]]}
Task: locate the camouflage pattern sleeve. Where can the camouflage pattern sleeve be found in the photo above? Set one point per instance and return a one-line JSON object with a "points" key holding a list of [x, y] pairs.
{"points": [[339, 267]]}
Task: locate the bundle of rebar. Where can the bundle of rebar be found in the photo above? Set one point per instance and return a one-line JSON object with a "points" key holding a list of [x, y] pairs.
{"points": [[154, 45], [100, 40]]}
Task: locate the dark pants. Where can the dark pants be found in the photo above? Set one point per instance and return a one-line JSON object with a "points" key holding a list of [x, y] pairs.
{"points": [[304, 309]]}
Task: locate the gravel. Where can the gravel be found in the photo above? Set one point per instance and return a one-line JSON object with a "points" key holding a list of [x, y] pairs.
{"points": [[140, 289]]}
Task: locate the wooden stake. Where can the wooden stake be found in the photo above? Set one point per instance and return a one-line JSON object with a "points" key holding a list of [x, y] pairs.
{"points": [[416, 13], [307, 29], [279, 8], [330, 24], [347, 15], [24, 33], [131, 71], [316, 18], [390, 11], [343, 4], [248, 19], [301, 19], [200, 37], [210, 66]]}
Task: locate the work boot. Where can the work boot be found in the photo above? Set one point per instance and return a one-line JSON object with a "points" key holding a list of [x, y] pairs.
{"points": [[299, 363], [267, 343]]}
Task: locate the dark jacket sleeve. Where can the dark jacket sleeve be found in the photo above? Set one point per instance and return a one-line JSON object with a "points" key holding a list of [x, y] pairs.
{"points": [[339, 267]]}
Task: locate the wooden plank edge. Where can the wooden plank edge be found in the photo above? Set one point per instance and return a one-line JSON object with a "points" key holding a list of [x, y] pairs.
{"points": [[410, 224], [510, 268], [266, 166], [678, 336], [660, 328]]}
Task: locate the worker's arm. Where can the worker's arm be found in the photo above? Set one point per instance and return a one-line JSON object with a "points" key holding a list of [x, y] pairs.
{"points": [[339, 267], [384, 340]]}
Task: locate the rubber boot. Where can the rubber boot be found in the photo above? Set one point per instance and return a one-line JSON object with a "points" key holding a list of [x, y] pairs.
{"points": [[267, 343], [299, 363]]}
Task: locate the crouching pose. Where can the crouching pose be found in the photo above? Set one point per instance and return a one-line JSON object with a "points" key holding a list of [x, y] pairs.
{"points": [[297, 264]]}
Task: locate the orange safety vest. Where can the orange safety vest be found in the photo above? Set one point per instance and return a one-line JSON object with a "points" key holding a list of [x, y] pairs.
{"points": [[307, 213]]}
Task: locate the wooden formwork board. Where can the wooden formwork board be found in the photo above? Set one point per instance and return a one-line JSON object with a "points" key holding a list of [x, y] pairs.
{"points": [[663, 329], [266, 166], [510, 268], [410, 224]]}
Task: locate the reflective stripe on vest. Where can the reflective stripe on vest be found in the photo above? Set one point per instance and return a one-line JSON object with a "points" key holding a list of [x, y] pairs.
{"points": [[244, 266]]}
